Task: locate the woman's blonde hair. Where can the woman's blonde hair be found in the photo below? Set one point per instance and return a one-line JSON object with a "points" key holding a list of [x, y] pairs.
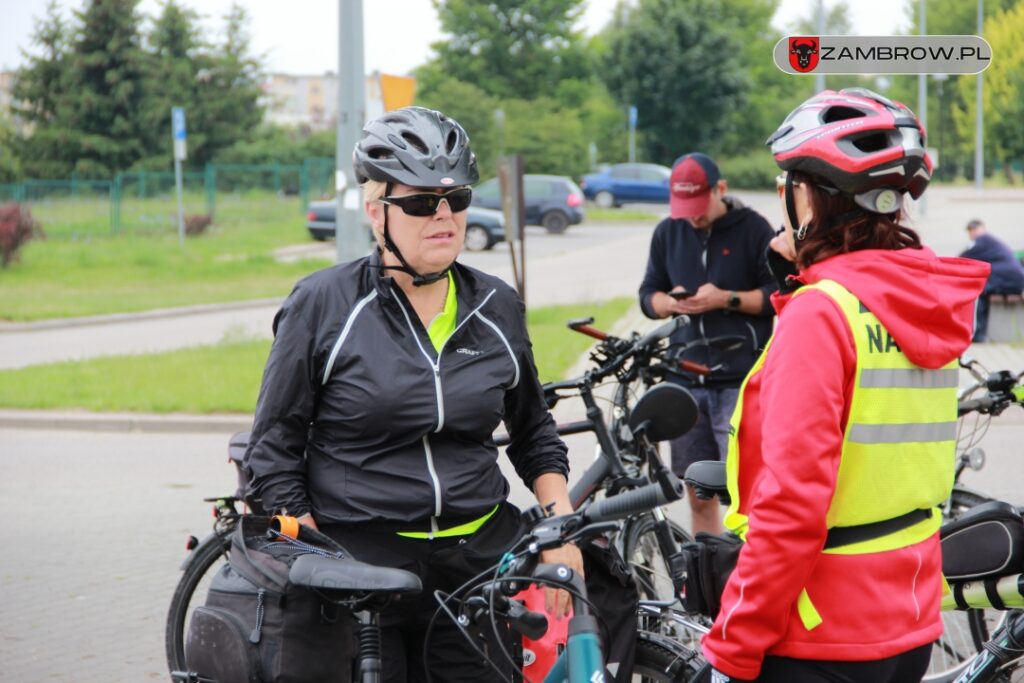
{"points": [[374, 190]]}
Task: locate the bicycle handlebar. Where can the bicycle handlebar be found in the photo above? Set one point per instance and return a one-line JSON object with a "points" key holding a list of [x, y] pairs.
{"points": [[983, 404], [591, 332], [662, 331], [695, 368], [632, 502]]}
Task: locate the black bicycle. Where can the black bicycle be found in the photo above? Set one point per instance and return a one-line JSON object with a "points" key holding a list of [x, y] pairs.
{"points": [[487, 602]]}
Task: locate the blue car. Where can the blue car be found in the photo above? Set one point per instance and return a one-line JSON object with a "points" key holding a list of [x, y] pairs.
{"points": [[624, 183]]}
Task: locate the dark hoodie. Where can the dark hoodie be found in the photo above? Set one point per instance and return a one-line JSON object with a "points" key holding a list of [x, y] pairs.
{"points": [[795, 412], [730, 255]]}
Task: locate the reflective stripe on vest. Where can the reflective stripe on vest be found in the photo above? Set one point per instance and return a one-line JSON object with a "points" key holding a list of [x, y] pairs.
{"points": [[899, 447]]}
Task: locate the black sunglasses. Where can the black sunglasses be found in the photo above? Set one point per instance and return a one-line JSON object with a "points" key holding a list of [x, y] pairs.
{"points": [[427, 203]]}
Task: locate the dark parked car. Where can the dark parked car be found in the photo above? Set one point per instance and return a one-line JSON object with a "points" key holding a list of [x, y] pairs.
{"points": [[622, 183], [554, 201], [484, 228]]}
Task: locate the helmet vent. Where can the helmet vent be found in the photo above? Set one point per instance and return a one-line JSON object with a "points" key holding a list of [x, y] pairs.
{"points": [[397, 141], [380, 153], [452, 141], [872, 143], [415, 141], [840, 113]]}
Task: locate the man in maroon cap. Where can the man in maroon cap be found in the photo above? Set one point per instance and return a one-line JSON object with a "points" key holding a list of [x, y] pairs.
{"points": [[708, 261]]}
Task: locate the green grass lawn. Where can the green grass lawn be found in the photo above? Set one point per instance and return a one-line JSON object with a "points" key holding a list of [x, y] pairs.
{"points": [[225, 377], [596, 214], [94, 275]]}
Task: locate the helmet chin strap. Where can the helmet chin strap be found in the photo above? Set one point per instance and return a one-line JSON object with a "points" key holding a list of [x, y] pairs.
{"points": [[799, 229], [418, 280], [794, 222]]}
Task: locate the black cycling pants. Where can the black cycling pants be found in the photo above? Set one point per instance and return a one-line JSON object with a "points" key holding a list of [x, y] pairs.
{"points": [[908, 667], [442, 564]]}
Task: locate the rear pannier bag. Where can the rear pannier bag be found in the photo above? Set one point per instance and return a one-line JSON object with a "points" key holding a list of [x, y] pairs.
{"points": [[986, 542], [257, 628]]}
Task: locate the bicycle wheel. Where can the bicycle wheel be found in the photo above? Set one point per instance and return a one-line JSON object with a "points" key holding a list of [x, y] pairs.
{"points": [[661, 659], [203, 565], [649, 566], [646, 559]]}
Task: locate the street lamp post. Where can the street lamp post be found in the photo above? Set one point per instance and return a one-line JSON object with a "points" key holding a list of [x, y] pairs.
{"points": [[350, 238], [979, 115]]}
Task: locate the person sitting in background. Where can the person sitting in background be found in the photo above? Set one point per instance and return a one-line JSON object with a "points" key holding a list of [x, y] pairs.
{"points": [[1007, 275]]}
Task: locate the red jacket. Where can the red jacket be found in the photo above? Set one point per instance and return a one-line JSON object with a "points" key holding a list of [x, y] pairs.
{"points": [[795, 410]]}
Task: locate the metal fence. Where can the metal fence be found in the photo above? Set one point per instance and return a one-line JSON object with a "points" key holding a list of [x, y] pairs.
{"points": [[145, 203]]}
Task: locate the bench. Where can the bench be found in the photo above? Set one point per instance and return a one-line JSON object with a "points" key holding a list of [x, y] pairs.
{"points": [[1005, 318]]}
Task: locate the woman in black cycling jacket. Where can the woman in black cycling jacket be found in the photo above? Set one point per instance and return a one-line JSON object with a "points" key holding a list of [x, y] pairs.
{"points": [[386, 379]]}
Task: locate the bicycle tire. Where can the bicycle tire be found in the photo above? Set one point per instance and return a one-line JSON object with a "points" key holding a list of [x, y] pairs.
{"points": [[199, 566], [645, 559], [661, 660]]}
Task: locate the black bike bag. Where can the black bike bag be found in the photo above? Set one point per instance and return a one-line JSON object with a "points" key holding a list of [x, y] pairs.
{"points": [[987, 541], [258, 628]]}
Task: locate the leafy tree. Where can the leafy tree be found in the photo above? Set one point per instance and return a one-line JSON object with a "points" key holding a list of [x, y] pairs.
{"points": [[510, 48], [39, 91], [1003, 93], [227, 91], [772, 94], [172, 65], [106, 80], [682, 69], [1004, 83], [950, 103], [548, 140], [10, 167]]}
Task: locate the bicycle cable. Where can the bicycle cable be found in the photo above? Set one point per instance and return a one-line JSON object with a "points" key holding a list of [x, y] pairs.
{"points": [[469, 584]]}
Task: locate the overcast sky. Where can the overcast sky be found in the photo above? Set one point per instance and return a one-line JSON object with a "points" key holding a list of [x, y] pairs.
{"points": [[300, 36]]}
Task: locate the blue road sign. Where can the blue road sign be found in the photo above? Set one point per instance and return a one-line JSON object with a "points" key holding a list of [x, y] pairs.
{"points": [[632, 116], [178, 123]]}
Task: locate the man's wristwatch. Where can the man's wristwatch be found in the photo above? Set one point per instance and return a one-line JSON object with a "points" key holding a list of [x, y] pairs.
{"points": [[734, 301]]}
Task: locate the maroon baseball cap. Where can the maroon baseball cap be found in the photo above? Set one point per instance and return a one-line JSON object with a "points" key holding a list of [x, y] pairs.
{"points": [[693, 176]]}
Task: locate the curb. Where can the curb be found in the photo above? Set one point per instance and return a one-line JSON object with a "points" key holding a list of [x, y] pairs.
{"points": [[124, 422], [115, 318]]}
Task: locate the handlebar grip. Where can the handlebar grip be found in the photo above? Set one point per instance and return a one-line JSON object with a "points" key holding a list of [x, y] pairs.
{"points": [[531, 624], [975, 404], [630, 503], [695, 368], [662, 331], [590, 332]]}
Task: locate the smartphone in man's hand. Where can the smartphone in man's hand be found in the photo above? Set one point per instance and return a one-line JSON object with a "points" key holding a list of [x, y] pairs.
{"points": [[681, 294]]}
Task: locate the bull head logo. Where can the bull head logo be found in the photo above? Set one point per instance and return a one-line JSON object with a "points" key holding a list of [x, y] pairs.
{"points": [[803, 53]]}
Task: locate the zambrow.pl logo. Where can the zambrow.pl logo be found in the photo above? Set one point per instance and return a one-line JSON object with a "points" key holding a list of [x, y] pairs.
{"points": [[882, 54], [803, 53]]}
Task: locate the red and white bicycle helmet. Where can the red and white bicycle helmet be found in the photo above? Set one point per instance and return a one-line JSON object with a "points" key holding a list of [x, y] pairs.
{"points": [[858, 142]]}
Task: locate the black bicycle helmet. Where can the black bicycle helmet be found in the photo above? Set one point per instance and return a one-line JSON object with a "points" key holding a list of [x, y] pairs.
{"points": [[417, 147]]}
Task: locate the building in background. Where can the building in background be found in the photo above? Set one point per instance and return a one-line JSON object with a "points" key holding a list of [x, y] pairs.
{"points": [[311, 102]]}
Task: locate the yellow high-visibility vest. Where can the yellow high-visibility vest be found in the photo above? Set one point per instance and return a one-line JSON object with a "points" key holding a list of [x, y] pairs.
{"points": [[899, 447]]}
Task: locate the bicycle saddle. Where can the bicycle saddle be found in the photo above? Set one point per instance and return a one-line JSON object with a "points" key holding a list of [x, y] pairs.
{"points": [[351, 576], [237, 445], [707, 477]]}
